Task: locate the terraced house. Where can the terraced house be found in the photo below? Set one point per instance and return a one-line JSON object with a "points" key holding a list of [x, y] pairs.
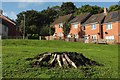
{"points": [[93, 28], [59, 24], [111, 27], [76, 27], [96, 28]]}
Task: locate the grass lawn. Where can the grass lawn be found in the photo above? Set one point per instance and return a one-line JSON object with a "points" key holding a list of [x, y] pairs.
{"points": [[15, 52]]}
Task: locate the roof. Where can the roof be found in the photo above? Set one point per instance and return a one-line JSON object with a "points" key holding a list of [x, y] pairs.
{"points": [[80, 18], [112, 16], [4, 18], [62, 19], [95, 18]]}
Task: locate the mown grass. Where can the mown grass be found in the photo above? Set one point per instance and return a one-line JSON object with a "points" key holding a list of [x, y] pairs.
{"points": [[15, 52]]}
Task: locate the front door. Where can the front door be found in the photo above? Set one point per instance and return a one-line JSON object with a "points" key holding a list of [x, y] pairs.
{"points": [[86, 38]]}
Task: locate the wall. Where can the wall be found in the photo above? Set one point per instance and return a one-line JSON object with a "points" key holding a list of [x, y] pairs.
{"points": [[115, 31], [57, 31], [89, 31], [75, 30], [4, 31]]}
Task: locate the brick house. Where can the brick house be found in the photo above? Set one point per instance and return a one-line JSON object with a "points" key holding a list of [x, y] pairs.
{"points": [[59, 24], [93, 27], [75, 27], [111, 27], [7, 27]]}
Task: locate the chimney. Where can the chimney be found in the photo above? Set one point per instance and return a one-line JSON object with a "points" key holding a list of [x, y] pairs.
{"points": [[105, 11], [1, 11]]}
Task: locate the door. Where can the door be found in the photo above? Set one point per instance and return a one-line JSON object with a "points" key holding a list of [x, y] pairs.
{"points": [[86, 38], [94, 38]]}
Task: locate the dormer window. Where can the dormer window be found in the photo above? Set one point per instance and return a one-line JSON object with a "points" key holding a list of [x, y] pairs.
{"points": [[93, 26], [60, 25]]}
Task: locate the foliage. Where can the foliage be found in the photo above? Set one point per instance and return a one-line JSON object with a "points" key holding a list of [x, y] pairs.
{"points": [[66, 29], [67, 8], [114, 7], [15, 53], [35, 21], [45, 31], [87, 8], [33, 36], [32, 29]]}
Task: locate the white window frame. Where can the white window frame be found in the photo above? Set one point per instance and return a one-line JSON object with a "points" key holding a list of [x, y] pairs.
{"points": [[60, 34], [60, 25], [110, 38], [93, 26], [75, 25], [94, 36], [109, 26], [75, 35]]}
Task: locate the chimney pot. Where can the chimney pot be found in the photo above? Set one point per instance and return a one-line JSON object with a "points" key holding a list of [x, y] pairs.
{"points": [[105, 10]]}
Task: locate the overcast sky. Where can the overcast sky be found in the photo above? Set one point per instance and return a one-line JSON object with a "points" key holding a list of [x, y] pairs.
{"points": [[11, 9]]}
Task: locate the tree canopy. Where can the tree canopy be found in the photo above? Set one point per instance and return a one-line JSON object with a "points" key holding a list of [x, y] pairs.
{"points": [[114, 7]]}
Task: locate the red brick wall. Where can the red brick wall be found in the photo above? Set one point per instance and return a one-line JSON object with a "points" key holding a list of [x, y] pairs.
{"points": [[115, 31], [75, 30], [89, 31], [58, 30]]}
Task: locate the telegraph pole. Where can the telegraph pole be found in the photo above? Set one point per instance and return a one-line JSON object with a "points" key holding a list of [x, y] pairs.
{"points": [[24, 27]]}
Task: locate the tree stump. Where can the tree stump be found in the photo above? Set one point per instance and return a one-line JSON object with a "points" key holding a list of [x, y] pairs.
{"points": [[61, 59]]}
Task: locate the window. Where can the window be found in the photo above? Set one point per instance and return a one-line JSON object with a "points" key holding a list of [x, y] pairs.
{"points": [[60, 25], [94, 36], [93, 26], [75, 26], [60, 34], [75, 35], [110, 37], [83, 28], [109, 26]]}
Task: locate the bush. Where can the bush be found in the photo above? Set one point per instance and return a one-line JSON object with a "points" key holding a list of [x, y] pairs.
{"points": [[33, 36]]}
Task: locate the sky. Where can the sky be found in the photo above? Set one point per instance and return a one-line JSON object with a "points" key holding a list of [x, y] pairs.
{"points": [[11, 9]]}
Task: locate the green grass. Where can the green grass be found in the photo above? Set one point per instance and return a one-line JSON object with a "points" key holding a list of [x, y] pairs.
{"points": [[14, 53]]}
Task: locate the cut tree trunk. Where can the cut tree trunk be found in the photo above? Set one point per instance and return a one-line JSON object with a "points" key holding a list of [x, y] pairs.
{"points": [[62, 59]]}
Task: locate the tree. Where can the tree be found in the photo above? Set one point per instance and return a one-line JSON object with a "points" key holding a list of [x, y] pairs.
{"points": [[45, 31], [66, 28], [31, 18], [32, 29], [67, 8], [114, 8], [49, 15], [87, 8]]}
